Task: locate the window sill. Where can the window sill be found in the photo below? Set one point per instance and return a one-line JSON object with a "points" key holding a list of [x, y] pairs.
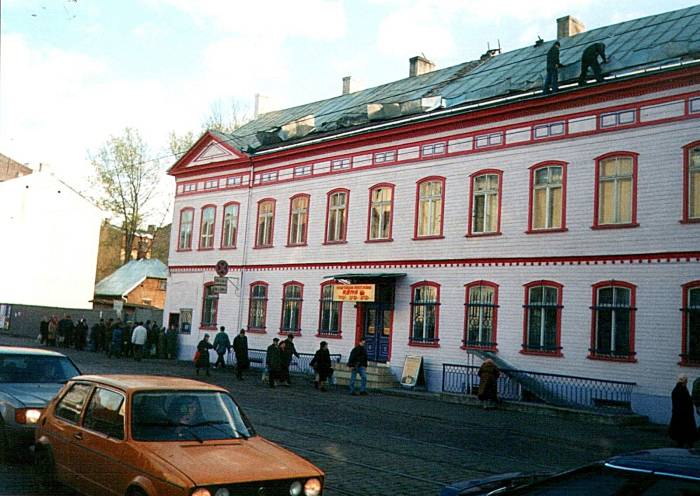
{"points": [[686, 363], [689, 221], [205, 249], [551, 354], [612, 359], [228, 247], [287, 333], [388, 240], [335, 242], [424, 238], [262, 247], [482, 235], [480, 348], [615, 226], [183, 249], [297, 245], [546, 231], [329, 336], [424, 345], [257, 331], [211, 327]]}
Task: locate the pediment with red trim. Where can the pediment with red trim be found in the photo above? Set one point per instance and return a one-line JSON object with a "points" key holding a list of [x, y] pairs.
{"points": [[209, 150]]}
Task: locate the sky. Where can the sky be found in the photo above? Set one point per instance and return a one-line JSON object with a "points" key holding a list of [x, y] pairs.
{"points": [[75, 72]]}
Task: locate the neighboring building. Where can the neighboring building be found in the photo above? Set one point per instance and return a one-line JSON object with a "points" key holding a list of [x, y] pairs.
{"points": [[137, 284], [558, 233], [49, 243], [10, 169]]}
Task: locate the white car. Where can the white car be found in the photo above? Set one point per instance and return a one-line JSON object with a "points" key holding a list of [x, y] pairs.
{"points": [[29, 379]]}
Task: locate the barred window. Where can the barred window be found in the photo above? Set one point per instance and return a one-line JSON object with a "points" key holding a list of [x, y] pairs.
{"points": [[424, 313], [542, 317], [480, 315], [613, 320]]}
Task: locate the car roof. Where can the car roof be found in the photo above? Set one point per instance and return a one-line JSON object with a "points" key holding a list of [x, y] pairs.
{"points": [[132, 383], [675, 462], [21, 350]]}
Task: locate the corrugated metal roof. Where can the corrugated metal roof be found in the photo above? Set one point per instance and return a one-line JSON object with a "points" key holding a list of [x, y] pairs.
{"points": [[632, 45], [125, 278]]}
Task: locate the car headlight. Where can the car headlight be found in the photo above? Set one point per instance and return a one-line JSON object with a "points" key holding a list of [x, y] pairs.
{"points": [[295, 489], [312, 487], [201, 492], [27, 415], [222, 491]]}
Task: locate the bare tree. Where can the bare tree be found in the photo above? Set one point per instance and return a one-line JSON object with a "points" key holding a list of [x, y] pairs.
{"points": [[180, 143], [226, 118], [129, 181]]}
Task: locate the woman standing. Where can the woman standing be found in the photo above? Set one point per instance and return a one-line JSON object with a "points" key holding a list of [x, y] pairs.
{"points": [[321, 363], [202, 359], [682, 429], [488, 383]]}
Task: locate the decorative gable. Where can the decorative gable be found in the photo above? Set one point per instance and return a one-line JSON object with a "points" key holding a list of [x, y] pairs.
{"points": [[213, 152]]}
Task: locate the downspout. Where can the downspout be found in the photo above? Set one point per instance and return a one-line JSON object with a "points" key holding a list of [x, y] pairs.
{"points": [[244, 260]]}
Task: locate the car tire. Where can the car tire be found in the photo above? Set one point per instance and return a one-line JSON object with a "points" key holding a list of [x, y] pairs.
{"points": [[45, 467]]}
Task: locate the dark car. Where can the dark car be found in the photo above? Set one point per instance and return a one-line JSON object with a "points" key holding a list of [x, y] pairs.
{"points": [[29, 379], [657, 472]]}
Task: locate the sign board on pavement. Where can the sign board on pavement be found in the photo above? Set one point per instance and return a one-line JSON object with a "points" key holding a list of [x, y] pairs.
{"points": [[353, 292], [412, 370]]}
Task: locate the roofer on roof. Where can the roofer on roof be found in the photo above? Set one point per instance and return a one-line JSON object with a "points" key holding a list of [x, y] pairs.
{"points": [[551, 80], [589, 58]]}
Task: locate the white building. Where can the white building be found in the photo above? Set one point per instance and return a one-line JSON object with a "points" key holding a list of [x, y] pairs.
{"points": [[558, 233], [49, 240]]}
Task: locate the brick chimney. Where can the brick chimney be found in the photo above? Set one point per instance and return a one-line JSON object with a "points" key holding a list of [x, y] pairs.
{"points": [[347, 88], [263, 104], [419, 65], [569, 26]]}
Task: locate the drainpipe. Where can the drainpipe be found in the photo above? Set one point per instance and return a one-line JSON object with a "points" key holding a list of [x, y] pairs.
{"points": [[244, 260]]}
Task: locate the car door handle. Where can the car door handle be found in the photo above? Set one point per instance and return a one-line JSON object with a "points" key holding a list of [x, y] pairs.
{"points": [[78, 436]]}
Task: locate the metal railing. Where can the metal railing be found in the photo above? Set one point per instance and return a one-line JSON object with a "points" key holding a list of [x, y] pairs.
{"points": [[299, 365], [562, 390]]}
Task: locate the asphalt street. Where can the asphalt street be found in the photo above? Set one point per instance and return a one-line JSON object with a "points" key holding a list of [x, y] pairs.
{"points": [[380, 444]]}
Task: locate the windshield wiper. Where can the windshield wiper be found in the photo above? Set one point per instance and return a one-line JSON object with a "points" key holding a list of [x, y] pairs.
{"points": [[216, 423]]}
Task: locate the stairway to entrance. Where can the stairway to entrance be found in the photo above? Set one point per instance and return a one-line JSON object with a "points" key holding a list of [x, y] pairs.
{"points": [[379, 376]]}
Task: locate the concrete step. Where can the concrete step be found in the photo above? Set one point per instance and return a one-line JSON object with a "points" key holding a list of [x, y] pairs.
{"points": [[378, 376]]}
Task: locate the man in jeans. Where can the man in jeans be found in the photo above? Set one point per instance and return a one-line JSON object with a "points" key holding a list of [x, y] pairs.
{"points": [[138, 340], [358, 363]]}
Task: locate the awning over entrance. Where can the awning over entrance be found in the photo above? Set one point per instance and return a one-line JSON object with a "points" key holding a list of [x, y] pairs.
{"points": [[363, 277]]}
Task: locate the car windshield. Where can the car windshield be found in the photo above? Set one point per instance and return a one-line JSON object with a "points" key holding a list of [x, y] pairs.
{"points": [[187, 416], [17, 368]]}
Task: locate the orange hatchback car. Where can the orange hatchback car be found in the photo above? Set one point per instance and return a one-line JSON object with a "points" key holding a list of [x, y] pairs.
{"points": [[133, 435]]}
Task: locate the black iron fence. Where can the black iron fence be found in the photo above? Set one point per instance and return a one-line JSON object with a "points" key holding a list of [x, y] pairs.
{"points": [[299, 365], [557, 389]]}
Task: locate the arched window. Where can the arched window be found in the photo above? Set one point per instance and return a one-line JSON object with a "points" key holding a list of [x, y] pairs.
{"points": [[337, 216], [210, 305], [229, 225], [547, 197], [265, 227], [381, 212], [542, 318], [616, 190], [425, 313], [690, 341], [206, 227], [292, 299], [257, 307], [480, 315], [330, 312], [485, 203], [185, 233], [691, 182], [430, 204], [613, 311], [298, 220]]}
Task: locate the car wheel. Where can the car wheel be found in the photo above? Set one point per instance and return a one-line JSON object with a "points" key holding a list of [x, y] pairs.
{"points": [[45, 466]]}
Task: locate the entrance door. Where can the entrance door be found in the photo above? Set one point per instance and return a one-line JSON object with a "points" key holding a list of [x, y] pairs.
{"points": [[377, 331]]}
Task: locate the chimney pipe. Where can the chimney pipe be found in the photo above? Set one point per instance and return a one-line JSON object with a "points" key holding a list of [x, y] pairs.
{"points": [[419, 65], [263, 104], [569, 26], [346, 85]]}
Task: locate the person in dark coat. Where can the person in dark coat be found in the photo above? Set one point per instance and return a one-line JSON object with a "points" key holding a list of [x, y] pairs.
{"points": [[696, 395], [488, 383], [115, 346], [287, 350], [109, 330], [240, 348], [551, 80], [358, 363], [65, 331], [80, 334], [202, 361], [273, 361], [589, 58], [160, 344], [44, 331], [171, 342], [682, 428], [222, 345], [322, 365]]}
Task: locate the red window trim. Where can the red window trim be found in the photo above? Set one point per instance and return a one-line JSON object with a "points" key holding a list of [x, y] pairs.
{"points": [[223, 221], [283, 332], [306, 226], [344, 238], [557, 340], [596, 199], [320, 334], [391, 213], [179, 230], [633, 303], [416, 237], [494, 337], [531, 199], [258, 330], [684, 324], [435, 343], [272, 227], [202, 325], [201, 226], [686, 184], [472, 178]]}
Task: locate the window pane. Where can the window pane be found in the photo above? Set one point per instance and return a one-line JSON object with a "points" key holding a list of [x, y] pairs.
{"points": [[555, 208], [694, 297], [606, 206], [105, 413], [534, 326], [622, 332], [604, 330], [492, 219], [550, 328], [694, 193], [624, 201], [71, 405], [479, 213], [693, 337], [605, 296], [539, 209]]}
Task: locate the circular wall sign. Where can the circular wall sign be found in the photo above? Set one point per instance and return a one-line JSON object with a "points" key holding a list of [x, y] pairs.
{"points": [[222, 268]]}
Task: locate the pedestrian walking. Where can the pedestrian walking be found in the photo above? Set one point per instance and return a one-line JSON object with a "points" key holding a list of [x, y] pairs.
{"points": [[240, 348], [52, 331], [171, 342], [65, 331], [202, 356], [551, 80], [696, 395], [682, 428], [322, 365], [488, 383], [44, 331], [222, 345], [109, 330], [273, 362], [287, 350], [358, 363], [161, 344], [115, 346], [80, 334], [139, 338], [589, 59]]}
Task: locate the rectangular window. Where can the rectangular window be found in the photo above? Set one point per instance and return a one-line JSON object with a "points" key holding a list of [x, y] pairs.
{"points": [[211, 184], [615, 190], [70, 407], [233, 181], [291, 308], [266, 222], [340, 164], [298, 218], [485, 204], [383, 157], [424, 314], [613, 320], [547, 197], [337, 216], [480, 316], [693, 181], [267, 177], [491, 139], [187, 188], [621, 118], [433, 149], [105, 413], [257, 312], [329, 320], [547, 130], [694, 105], [185, 237], [691, 337], [303, 170], [542, 317], [380, 215], [206, 229], [209, 306], [430, 199], [229, 232]]}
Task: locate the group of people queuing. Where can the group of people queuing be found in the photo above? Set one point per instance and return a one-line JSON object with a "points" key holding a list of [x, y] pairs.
{"points": [[683, 429], [589, 60], [114, 337], [222, 345]]}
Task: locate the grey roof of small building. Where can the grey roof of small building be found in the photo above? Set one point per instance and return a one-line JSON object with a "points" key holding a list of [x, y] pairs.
{"points": [[123, 280], [632, 47]]}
